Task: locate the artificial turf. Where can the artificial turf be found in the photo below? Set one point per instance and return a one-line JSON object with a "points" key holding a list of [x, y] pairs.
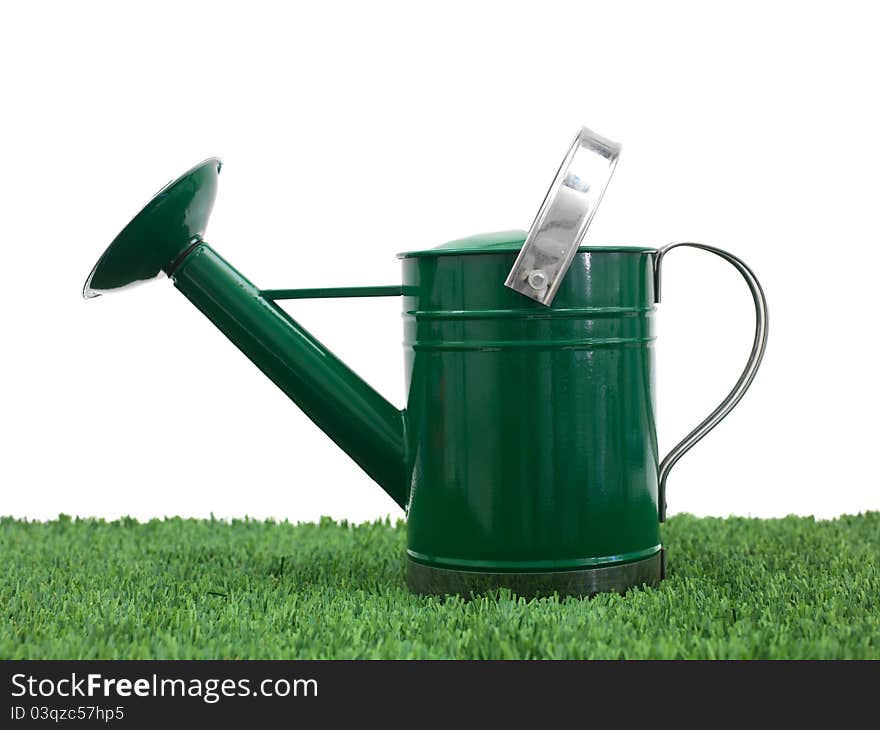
{"points": [[736, 588]]}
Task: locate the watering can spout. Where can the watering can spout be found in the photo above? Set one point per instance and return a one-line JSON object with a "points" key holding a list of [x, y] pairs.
{"points": [[167, 237]]}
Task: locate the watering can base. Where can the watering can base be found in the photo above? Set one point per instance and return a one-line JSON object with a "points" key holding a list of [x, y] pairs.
{"points": [[432, 581]]}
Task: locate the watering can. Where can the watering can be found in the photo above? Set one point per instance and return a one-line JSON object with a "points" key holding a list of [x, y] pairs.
{"points": [[526, 456]]}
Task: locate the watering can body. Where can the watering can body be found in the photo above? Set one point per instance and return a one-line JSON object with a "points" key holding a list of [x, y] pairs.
{"points": [[531, 438], [526, 455]]}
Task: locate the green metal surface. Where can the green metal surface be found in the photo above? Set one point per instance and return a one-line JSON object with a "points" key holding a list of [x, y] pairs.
{"points": [[531, 436], [170, 223]]}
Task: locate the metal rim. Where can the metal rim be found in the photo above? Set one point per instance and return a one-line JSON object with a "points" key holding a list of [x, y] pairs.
{"points": [[429, 580]]}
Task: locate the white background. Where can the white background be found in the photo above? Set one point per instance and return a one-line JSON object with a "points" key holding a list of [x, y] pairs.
{"points": [[352, 132]]}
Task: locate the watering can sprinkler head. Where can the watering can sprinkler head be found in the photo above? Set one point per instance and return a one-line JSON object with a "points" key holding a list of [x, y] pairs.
{"points": [[157, 238]]}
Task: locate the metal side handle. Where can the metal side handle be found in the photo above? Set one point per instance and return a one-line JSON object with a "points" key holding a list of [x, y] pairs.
{"points": [[745, 380]]}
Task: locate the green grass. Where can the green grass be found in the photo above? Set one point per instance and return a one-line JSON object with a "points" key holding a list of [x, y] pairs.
{"points": [[737, 588]]}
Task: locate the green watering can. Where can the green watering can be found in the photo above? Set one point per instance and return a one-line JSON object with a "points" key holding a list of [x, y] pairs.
{"points": [[526, 456]]}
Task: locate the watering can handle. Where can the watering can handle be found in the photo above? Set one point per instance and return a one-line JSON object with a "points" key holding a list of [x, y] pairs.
{"points": [[745, 380]]}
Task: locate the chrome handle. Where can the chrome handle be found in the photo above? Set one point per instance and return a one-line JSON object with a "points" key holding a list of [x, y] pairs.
{"points": [[745, 380], [564, 217]]}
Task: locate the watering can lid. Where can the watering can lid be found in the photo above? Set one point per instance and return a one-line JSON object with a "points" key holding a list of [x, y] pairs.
{"points": [[502, 242], [499, 242], [155, 238]]}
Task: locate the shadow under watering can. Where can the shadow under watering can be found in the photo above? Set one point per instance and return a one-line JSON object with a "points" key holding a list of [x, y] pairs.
{"points": [[526, 456]]}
